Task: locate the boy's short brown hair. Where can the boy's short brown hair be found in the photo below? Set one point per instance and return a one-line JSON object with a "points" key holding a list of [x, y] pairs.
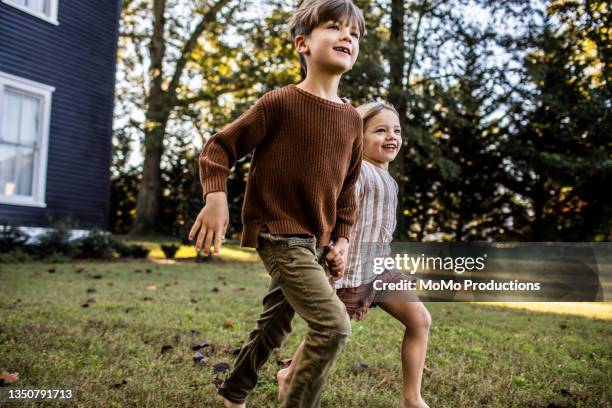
{"points": [[311, 13]]}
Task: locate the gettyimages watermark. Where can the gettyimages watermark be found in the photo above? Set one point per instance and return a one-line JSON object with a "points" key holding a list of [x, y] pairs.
{"points": [[482, 271]]}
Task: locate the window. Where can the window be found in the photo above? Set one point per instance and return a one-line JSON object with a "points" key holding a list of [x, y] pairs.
{"points": [[25, 107], [45, 9]]}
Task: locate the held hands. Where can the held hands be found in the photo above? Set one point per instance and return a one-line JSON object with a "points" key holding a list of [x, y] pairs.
{"points": [[336, 258], [212, 223]]}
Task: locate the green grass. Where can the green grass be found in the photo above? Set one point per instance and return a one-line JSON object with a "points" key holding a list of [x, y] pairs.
{"points": [[479, 355]]}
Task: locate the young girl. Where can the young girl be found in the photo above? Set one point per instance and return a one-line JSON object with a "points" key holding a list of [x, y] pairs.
{"points": [[377, 200]]}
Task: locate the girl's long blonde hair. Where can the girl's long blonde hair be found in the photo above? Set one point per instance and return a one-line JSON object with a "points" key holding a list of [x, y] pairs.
{"points": [[370, 109]]}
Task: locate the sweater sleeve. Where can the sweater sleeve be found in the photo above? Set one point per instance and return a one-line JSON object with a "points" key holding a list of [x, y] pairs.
{"points": [[230, 144], [346, 207]]}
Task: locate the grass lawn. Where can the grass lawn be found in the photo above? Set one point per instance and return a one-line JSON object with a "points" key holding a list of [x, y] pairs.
{"points": [[132, 344]]}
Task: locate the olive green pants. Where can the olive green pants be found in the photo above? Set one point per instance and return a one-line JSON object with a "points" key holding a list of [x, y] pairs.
{"points": [[299, 285]]}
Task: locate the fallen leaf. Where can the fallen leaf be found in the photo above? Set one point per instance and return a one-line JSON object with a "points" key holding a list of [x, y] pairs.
{"points": [[8, 378], [199, 358], [384, 381], [151, 287], [228, 325], [36, 274], [109, 284], [235, 290], [220, 368], [199, 346], [119, 385]]}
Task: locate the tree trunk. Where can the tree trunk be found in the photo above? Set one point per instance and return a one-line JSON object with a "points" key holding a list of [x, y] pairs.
{"points": [[155, 127], [149, 192], [397, 62]]}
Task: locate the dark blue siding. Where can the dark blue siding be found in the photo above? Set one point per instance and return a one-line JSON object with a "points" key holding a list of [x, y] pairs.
{"points": [[78, 58]]}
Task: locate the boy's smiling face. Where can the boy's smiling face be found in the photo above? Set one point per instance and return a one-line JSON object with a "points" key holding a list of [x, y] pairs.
{"points": [[332, 46]]}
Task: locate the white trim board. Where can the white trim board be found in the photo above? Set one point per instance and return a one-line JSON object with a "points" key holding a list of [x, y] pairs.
{"points": [[51, 18]]}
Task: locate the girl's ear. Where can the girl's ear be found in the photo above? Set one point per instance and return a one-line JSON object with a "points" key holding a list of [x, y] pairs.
{"points": [[301, 45]]}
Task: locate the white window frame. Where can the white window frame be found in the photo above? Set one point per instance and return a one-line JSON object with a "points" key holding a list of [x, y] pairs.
{"points": [[51, 18], [39, 182]]}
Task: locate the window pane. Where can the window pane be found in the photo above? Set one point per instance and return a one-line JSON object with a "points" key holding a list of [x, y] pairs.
{"points": [[39, 6], [10, 117], [7, 169], [29, 120], [24, 170], [16, 170]]}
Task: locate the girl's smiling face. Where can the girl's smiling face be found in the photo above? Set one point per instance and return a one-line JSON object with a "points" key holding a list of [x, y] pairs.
{"points": [[382, 138]]}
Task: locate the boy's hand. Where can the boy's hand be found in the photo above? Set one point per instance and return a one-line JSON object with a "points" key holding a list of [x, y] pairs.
{"points": [[336, 258], [212, 223]]}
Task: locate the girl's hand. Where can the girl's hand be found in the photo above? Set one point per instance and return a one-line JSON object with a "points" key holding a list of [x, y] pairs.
{"points": [[336, 258]]}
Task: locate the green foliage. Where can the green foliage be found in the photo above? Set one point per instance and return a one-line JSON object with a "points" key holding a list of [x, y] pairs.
{"points": [[55, 241], [130, 250], [15, 255], [170, 250], [95, 245], [11, 237]]}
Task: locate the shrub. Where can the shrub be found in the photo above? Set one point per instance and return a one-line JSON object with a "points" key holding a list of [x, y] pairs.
{"points": [[170, 250], [138, 251], [130, 250], [55, 241], [95, 245], [12, 237], [16, 255]]}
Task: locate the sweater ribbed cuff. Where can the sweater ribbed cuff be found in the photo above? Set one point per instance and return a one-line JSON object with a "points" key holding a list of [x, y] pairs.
{"points": [[214, 184], [341, 230]]}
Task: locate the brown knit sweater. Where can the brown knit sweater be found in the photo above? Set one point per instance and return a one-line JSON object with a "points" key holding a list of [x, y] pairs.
{"points": [[305, 164]]}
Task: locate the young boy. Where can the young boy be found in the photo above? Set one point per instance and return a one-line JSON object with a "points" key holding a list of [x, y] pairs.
{"points": [[299, 198]]}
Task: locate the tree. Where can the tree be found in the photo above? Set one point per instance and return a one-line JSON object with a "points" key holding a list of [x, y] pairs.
{"points": [[166, 89]]}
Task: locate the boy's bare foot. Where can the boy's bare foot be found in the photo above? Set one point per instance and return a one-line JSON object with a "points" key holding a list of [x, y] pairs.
{"points": [[229, 404], [283, 384], [419, 403]]}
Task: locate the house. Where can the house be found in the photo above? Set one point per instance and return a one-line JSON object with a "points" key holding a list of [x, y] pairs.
{"points": [[57, 78]]}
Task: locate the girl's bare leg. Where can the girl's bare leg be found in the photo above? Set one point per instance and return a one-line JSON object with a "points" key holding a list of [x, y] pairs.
{"points": [[417, 321], [285, 375]]}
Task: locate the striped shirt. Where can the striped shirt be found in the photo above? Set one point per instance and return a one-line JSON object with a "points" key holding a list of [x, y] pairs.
{"points": [[376, 195]]}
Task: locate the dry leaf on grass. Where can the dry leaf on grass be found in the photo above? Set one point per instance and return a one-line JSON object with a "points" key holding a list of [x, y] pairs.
{"points": [[8, 378]]}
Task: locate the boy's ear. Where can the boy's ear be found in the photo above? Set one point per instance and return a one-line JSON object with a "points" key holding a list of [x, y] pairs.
{"points": [[301, 44]]}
